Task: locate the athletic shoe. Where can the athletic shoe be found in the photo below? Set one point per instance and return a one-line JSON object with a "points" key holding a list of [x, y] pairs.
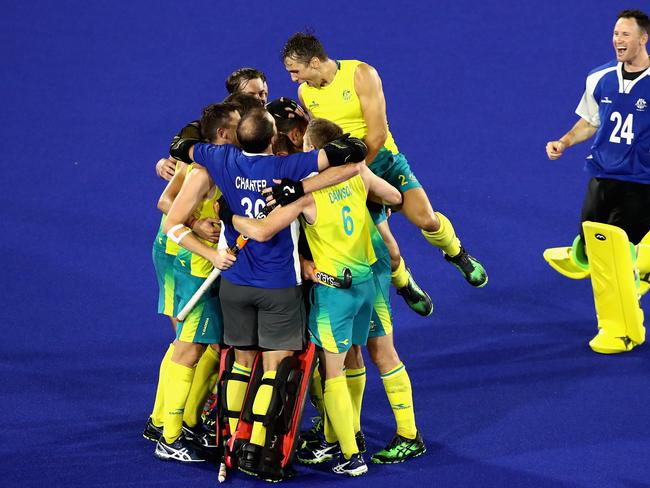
{"points": [[319, 454], [415, 297], [355, 466], [200, 437], [152, 432], [361, 441], [314, 436], [469, 267], [180, 450], [400, 449]]}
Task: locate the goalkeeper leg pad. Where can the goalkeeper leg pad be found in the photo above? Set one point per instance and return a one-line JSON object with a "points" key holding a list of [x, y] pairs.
{"points": [[282, 419], [643, 263], [615, 285]]}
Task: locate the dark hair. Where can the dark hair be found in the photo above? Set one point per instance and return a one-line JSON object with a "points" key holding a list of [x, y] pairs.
{"points": [[642, 19], [255, 130], [282, 144], [244, 102], [215, 116], [321, 131], [286, 125], [302, 47], [237, 77]]}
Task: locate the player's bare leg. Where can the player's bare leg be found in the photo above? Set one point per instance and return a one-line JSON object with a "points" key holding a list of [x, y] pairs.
{"points": [[438, 231], [401, 278]]}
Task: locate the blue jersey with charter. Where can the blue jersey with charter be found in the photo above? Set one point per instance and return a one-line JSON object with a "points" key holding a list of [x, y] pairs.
{"points": [[619, 108], [241, 177]]}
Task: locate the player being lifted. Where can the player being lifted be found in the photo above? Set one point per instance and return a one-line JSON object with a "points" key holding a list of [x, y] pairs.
{"points": [[350, 94], [336, 223], [614, 110]]}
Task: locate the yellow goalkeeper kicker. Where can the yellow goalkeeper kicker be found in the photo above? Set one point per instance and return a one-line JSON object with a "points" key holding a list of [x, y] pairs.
{"points": [[559, 258], [569, 261], [612, 260], [643, 263]]}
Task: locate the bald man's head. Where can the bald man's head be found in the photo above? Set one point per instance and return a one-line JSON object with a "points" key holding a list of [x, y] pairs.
{"points": [[256, 130]]}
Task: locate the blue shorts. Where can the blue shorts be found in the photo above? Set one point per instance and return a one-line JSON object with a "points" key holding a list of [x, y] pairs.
{"points": [[204, 324], [339, 318]]}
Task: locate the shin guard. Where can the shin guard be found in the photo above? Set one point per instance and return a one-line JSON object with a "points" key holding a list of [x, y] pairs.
{"points": [[614, 279]]}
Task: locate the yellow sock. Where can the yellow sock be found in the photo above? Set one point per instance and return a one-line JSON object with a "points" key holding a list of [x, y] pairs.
{"points": [[316, 391], [236, 391], [178, 381], [339, 409], [205, 377], [260, 407], [400, 277], [356, 380], [158, 413], [445, 237], [400, 395]]}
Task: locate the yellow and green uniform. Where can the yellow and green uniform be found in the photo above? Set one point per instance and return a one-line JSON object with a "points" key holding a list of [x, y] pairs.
{"points": [[381, 322], [164, 252], [340, 103], [204, 324], [339, 238]]}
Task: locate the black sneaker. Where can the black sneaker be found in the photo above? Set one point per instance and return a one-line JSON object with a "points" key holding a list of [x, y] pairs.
{"points": [[180, 450], [400, 449], [314, 436], [355, 466], [415, 297], [201, 437], [469, 267], [319, 454], [361, 441], [152, 432]]}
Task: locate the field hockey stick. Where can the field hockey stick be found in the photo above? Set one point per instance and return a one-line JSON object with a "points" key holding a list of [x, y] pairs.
{"points": [[239, 244], [333, 281]]}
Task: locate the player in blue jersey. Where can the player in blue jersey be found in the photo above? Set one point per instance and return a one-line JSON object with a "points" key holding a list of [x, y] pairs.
{"points": [[614, 111], [260, 296], [614, 108]]}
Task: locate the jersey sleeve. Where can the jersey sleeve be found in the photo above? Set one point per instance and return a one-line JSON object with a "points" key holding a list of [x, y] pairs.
{"points": [[588, 106], [213, 157], [298, 166]]}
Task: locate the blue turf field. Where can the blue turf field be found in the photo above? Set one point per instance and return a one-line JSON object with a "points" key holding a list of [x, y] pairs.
{"points": [[507, 392]]}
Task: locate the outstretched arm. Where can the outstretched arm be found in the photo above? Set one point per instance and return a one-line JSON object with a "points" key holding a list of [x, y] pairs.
{"points": [[580, 132], [262, 230]]}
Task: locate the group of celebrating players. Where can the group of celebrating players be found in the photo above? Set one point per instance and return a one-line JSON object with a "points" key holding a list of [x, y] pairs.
{"points": [[311, 189]]}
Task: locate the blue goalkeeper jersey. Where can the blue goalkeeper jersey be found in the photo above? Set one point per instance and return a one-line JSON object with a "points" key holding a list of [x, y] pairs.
{"points": [[619, 108], [241, 177]]}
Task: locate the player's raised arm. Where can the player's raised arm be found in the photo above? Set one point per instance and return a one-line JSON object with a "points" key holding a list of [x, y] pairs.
{"points": [[171, 190], [373, 105], [379, 190]]}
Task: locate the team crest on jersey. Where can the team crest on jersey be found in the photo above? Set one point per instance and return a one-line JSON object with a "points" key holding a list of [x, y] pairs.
{"points": [[641, 104], [347, 95]]}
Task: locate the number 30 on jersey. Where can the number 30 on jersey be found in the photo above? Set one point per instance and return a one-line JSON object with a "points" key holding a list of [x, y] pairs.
{"points": [[622, 128]]}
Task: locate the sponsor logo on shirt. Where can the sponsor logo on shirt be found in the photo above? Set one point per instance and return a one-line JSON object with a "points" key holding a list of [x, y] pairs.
{"points": [[641, 104], [605, 100], [312, 105]]}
